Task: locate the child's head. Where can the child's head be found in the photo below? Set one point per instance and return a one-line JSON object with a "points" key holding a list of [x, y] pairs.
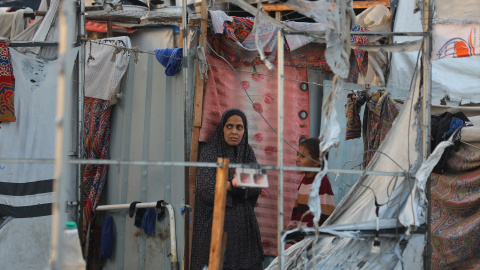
{"points": [[311, 148]]}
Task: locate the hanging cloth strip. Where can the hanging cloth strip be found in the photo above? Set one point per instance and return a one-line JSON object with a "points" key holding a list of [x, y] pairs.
{"points": [[7, 84], [362, 56], [97, 146]]}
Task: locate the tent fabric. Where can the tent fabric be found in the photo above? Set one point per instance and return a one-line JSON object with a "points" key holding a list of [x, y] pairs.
{"points": [[446, 73], [398, 153], [25, 243], [26, 189], [466, 10], [456, 40], [223, 91]]}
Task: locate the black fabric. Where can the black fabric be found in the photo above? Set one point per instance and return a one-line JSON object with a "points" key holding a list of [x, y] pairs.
{"points": [[38, 210], [132, 208], [439, 126], [23, 189], [160, 211], [139, 216], [244, 249]]}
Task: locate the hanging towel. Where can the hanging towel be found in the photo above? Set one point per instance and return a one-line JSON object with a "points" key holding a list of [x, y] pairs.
{"points": [[7, 83], [171, 59], [108, 238]]}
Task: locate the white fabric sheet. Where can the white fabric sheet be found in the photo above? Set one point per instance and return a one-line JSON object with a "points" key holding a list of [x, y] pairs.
{"points": [[32, 136], [102, 75]]}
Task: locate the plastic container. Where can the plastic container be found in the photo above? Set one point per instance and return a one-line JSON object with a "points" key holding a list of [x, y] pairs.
{"points": [[72, 249]]}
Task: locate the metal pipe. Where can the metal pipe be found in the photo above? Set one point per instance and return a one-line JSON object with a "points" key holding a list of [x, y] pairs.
{"points": [[173, 237], [206, 165], [171, 214], [81, 98], [62, 129], [427, 96], [280, 145]]}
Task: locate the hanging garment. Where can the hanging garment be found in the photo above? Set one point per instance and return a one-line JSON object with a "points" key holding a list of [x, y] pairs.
{"points": [[362, 56], [382, 111], [97, 146], [7, 85], [105, 66], [108, 238], [352, 110], [171, 59], [12, 23]]}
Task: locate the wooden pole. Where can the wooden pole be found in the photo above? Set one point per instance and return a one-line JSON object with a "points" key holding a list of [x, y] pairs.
{"points": [[197, 124], [356, 5], [217, 241]]}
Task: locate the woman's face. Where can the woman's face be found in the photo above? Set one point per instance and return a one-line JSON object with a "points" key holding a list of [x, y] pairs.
{"points": [[233, 130]]}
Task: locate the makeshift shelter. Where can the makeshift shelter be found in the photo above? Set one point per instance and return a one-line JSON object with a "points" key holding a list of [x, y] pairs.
{"points": [[158, 120]]}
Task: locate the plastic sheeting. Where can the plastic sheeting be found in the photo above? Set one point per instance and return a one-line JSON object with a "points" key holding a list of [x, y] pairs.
{"points": [[27, 187], [25, 243], [398, 153]]}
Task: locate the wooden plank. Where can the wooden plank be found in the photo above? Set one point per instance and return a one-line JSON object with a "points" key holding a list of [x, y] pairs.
{"points": [[278, 15], [197, 123], [217, 242], [356, 5]]}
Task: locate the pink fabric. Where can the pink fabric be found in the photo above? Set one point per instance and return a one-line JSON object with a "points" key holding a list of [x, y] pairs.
{"points": [[223, 91]]}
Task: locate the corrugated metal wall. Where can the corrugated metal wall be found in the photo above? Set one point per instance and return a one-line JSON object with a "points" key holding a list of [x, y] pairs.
{"points": [[147, 124]]}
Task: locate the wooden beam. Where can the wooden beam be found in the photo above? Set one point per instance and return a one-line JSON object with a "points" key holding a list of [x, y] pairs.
{"points": [[197, 124], [356, 5], [216, 245]]}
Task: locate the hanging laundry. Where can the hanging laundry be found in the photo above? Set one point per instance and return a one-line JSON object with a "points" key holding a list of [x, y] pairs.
{"points": [[362, 56], [7, 84], [171, 59], [12, 23], [148, 222], [382, 112], [108, 238], [352, 110], [97, 146], [106, 61]]}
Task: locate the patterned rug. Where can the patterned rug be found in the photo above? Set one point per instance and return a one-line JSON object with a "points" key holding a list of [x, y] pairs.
{"points": [[455, 220]]}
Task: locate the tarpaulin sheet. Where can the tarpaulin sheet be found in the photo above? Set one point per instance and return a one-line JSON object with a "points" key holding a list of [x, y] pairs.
{"points": [[456, 77], [456, 40], [223, 90]]}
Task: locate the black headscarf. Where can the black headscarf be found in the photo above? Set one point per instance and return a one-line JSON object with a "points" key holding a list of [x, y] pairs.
{"points": [[217, 147]]}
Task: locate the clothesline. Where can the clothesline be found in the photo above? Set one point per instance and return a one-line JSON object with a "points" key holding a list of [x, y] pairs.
{"points": [[135, 50]]}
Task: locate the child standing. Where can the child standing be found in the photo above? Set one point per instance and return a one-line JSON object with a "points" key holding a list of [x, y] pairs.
{"points": [[311, 148]]}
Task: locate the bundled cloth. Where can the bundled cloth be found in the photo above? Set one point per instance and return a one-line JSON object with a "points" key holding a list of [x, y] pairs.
{"points": [[171, 59]]}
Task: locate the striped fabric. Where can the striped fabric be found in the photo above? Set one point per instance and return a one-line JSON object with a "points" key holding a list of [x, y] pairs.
{"points": [[327, 201]]}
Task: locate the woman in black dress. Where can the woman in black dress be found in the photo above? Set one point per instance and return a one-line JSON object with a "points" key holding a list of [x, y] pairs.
{"points": [[244, 249]]}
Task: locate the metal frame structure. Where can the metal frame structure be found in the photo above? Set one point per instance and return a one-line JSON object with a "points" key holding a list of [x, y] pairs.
{"points": [[64, 110]]}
